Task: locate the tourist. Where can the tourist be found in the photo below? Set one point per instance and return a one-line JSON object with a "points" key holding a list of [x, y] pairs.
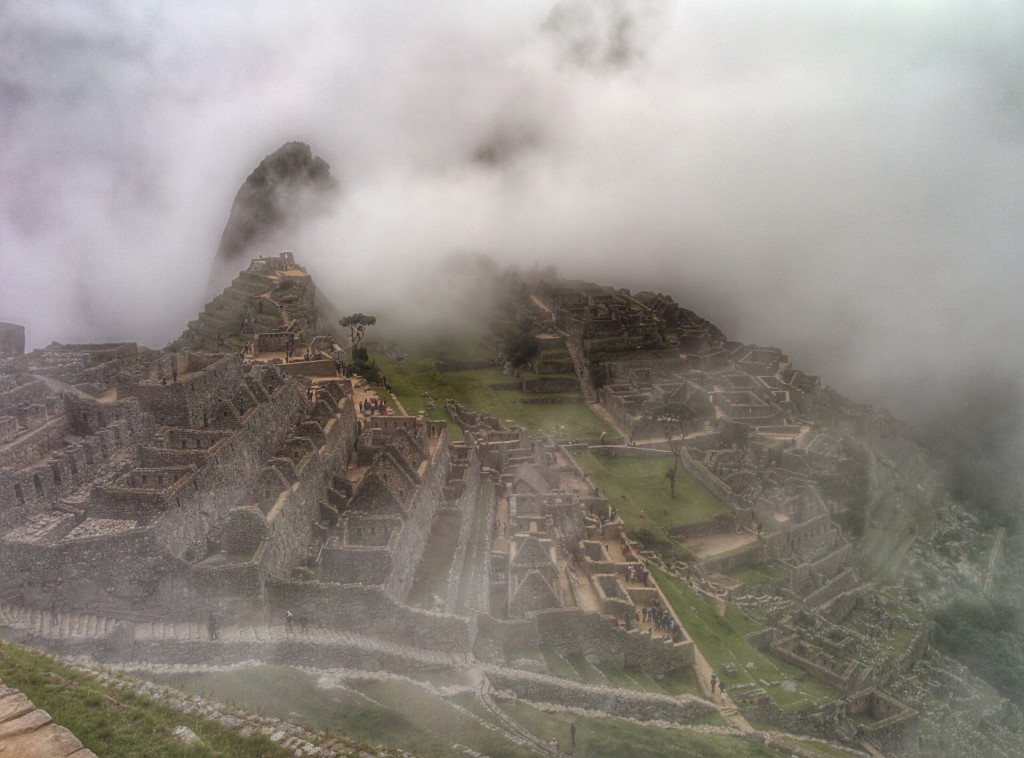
{"points": [[714, 682], [288, 619], [304, 623], [721, 695]]}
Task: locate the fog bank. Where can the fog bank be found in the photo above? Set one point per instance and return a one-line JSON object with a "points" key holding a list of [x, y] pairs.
{"points": [[842, 180]]}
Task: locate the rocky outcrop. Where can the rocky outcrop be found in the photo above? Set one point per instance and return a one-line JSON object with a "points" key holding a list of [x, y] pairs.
{"points": [[276, 193]]}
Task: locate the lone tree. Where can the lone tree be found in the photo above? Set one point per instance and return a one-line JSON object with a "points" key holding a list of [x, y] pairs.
{"points": [[357, 324], [674, 419], [522, 348]]}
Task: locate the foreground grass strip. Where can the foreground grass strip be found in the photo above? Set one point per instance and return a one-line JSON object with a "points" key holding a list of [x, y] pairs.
{"points": [[114, 723], [615, 738]]}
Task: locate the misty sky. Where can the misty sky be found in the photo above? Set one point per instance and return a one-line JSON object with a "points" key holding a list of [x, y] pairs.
{"points": [[841, 179]]}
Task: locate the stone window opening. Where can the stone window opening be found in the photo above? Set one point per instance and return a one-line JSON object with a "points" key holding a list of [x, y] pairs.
{"points": [[38, 481], [74, 467], [19, 493], [56, 474]]}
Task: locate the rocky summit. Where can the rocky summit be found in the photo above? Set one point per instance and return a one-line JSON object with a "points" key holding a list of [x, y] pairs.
{"points": [[283, 187]]}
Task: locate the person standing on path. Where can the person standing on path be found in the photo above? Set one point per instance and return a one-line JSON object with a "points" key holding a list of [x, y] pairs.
{"points": [[714, 681]]}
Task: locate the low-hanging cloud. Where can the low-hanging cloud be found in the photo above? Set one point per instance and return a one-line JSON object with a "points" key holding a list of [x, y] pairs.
{"points": [[843, 180]]}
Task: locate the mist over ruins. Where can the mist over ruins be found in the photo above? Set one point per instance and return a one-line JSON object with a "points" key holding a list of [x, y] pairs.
{"points": [[675, 506], [597, 378]]}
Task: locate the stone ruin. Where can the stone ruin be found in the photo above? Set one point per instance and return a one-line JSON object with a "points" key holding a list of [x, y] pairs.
{"points": [[233, 475], [144, 493]]}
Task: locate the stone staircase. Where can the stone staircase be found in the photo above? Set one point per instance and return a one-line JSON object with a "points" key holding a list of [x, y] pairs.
{"points": [[81, 627], [579, 359]]}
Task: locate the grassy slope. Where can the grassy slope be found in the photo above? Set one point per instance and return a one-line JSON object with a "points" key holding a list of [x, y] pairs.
{"points": [[115, 723]]}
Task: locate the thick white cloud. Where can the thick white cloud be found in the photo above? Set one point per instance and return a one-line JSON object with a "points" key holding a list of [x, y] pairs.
{"points": [[844, 180]]}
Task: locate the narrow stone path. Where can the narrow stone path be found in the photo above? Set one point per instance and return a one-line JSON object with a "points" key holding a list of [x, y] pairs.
{"points": [[579, 359]]}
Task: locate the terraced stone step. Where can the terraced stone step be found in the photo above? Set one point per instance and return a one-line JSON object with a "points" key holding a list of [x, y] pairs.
{"points": [[90, 626]]}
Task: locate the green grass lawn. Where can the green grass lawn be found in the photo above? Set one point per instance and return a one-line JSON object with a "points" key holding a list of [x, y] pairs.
{"points": [[633, 485], [113, 722], [413, 377], [721, 640]]}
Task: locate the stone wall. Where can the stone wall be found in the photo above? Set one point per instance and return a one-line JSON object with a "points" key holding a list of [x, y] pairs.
{"points": [[322, 367], [623, 451], [841, 582], [716, 485], [97, 572], [508, 635], [551, 385], [571, 630], [370, 610], [720, 523], [466, 506], [642, 706], [194, 400], [158, 576], [781, 648], [413, 539], [28, 732], [806, 576], [36, 487], [747, 555]]}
